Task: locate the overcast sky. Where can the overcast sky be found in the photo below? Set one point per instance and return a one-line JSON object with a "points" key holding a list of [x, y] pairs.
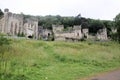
{"points": [[97, 9]]}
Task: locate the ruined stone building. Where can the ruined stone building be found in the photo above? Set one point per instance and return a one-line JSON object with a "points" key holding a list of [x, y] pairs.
{"points": [[14, 24], [75, 34], [102, 34], [44, 33]]}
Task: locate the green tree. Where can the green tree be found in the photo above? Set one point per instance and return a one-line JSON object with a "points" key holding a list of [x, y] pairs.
{"points": [[117, 22], [95, 25], [109, 25], [1, 13]]}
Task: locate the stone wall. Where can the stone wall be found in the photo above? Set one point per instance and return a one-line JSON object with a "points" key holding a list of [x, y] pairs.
{"points": [[85, 32], [102, 34], [31, 28], [14, 24], [59, 34], [44, 33], [57, 28]]}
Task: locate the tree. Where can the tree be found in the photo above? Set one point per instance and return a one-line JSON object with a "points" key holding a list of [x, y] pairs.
{"points": [[95, 25], [109, 25], [1, 13], [117, 23]]}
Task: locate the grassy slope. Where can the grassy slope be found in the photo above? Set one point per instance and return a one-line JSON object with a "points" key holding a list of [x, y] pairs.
{"points": [[38, 60]]}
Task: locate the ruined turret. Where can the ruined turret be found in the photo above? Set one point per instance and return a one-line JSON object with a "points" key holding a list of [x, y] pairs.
{"points": [[102, 34]]}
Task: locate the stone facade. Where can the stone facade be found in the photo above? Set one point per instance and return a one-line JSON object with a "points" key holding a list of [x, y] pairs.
{"points": [[44, 33], [31, 28], [85, 32], [77, 33], [57, 28], [14, 24], [60, 34], [102, 34]]}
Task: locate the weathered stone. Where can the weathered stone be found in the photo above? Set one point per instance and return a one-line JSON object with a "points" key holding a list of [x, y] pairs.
{"points": [[102, 34], [85, 33], [114, 30], [74, 34], [14, 24]]}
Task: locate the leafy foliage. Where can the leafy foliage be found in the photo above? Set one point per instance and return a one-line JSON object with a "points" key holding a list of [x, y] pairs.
{"points": [[117, 22], [4, 41], [93, 24], [1, 13], [21, 34]]}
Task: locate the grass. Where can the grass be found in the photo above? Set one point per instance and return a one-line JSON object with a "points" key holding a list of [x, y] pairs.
{"points": [[39, 60]]}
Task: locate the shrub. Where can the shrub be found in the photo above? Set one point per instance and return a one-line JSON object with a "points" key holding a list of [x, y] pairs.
{"points": [[114, 36], [4, 41], [4, 47]]}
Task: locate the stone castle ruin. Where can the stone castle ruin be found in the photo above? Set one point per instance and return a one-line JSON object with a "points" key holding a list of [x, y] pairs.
{"points": [[102, 34], [17, 24], [14, 24], [75, 34], [44, 33]]}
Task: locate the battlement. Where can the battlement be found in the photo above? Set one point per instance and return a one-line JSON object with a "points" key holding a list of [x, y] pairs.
{"points": [[13, 15], [31, 20]]}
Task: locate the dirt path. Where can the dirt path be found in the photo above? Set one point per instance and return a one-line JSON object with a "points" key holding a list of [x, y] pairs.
{"points": [[112, 75]]}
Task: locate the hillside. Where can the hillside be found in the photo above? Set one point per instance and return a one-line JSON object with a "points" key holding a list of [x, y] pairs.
{"points": [[40, 60]]}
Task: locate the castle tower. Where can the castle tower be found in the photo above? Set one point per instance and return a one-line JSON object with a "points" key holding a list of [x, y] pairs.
{"points": [[77, 31], [6, 11]]}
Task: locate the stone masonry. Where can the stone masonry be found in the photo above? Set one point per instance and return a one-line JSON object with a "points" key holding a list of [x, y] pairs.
{"points": [[102, 34], [74, 34], [14, 24]]}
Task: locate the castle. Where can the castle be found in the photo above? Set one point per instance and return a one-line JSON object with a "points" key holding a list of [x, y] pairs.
{"points": [[75, 33], [16, 24]]}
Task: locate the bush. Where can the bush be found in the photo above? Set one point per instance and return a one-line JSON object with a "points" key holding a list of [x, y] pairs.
{"points": [[21, 34], [4, 41], [114, 36], [4, 47]]}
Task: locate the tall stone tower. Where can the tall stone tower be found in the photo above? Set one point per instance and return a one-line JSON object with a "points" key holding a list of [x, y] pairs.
{"points": [[6, 16]]}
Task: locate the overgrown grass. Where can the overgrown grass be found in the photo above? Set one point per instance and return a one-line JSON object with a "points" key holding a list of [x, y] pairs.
{"points": [[39, 60]]}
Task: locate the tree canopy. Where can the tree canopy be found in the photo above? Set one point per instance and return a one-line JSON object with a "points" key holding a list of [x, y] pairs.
{"points": [[117, 23], [1, 13], [92, 24]]}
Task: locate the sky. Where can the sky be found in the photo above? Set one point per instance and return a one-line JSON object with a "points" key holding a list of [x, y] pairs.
{"points": [[96, 9]]}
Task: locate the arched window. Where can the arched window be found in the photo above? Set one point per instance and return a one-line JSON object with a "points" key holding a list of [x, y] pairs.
{"points": [[48, 34], [15, 28], [11, 28], [19, 28], [77, 34]]}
